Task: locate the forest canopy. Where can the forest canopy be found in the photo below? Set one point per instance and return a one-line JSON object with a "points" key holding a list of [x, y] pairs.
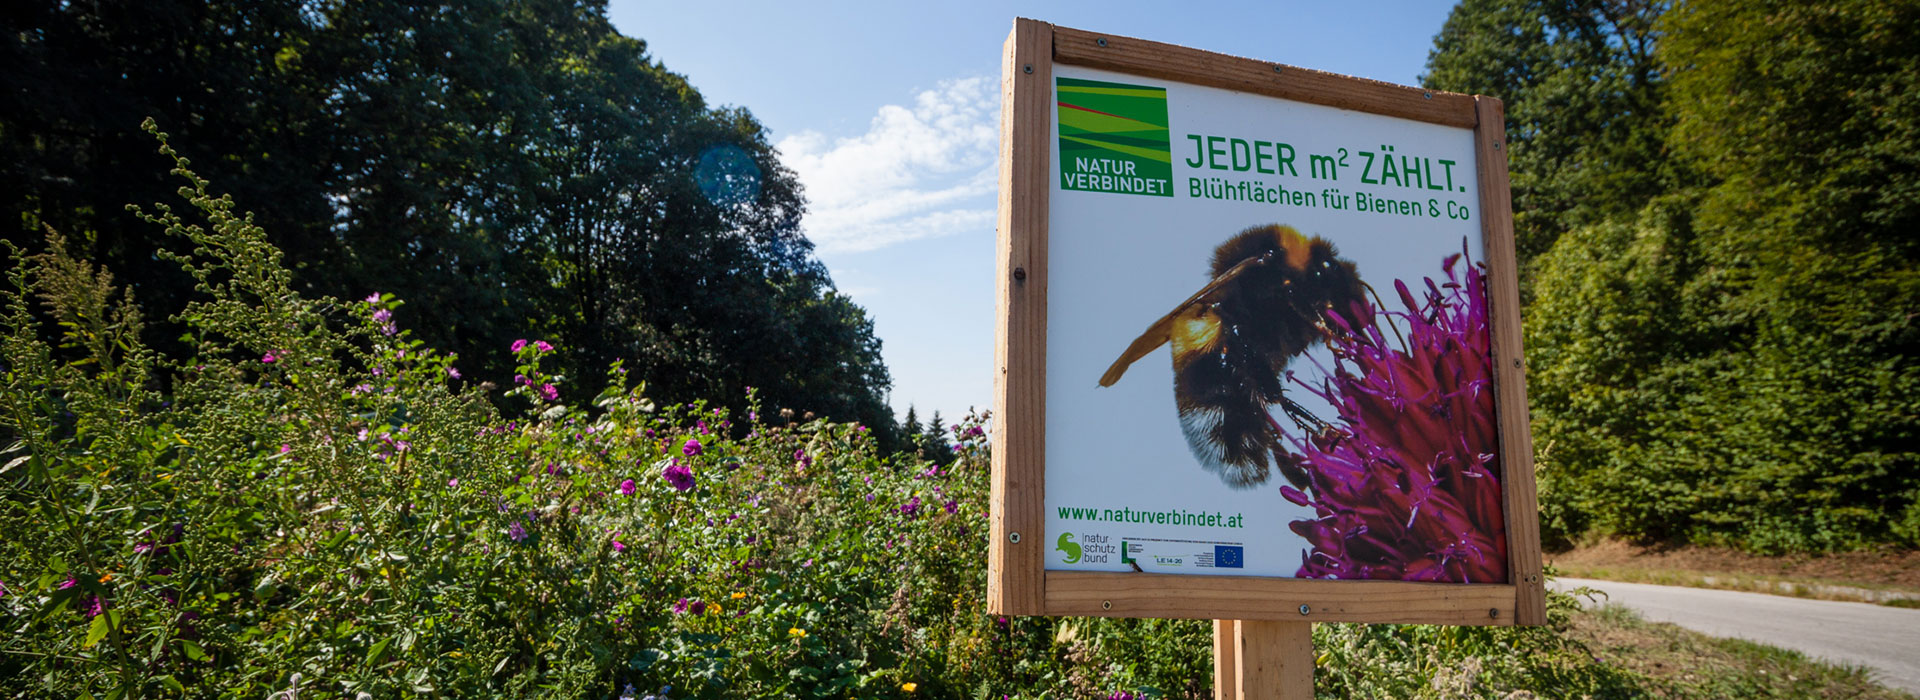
{"points": [[1716, 206], [507, 170]]}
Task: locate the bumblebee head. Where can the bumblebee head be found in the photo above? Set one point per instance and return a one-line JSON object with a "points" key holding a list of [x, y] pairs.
{"points": [[1337, 284]]}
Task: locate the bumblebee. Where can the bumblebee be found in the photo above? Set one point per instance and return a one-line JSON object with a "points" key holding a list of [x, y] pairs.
{"points": [[1272, 295]]}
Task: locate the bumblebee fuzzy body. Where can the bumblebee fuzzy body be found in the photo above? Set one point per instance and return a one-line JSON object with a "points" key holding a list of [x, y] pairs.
{"points": [[1271, 292]]}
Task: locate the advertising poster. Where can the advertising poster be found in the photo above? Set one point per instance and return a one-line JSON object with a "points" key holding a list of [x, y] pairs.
{"points": [[1268, 348]]}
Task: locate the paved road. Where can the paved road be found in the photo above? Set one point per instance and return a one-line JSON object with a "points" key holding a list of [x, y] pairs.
{"points": [[1884, 639]]}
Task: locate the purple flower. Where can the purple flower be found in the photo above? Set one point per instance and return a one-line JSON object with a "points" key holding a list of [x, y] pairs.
{"points": [[516, 532], [951, 506], [692, 448], [701, 425], [1406, 484], [681, 606], [627, 487], [550, 392], [679, 475], [518, 345], [698, 607], [373, 298], [452, 372], [69, 583], [805, 460], [385, 319], [95, 607], [269, 358], [912, 508]]}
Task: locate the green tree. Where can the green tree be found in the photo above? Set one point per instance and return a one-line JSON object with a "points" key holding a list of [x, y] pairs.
{"points": [[1582, 88], [508, 169]]}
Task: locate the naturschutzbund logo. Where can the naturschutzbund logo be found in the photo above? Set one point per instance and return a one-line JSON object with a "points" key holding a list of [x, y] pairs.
{"points": [[1065, 544], [1113, 138]]}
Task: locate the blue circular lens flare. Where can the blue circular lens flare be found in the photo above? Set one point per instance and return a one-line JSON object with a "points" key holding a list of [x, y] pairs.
{"points": [[727, 176]]}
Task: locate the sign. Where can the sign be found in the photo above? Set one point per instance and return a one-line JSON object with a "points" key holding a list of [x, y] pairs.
{"points": [[1258, 345]]}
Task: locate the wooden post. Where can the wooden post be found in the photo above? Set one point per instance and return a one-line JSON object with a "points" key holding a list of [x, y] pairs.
{"points": [[1262, 660]]}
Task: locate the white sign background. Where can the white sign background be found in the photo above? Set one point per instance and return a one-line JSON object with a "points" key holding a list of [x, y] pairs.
{"points": [[1118, 262]]}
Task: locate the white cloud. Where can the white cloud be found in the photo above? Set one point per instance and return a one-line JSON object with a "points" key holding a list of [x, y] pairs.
{"points": [[918, 172]]}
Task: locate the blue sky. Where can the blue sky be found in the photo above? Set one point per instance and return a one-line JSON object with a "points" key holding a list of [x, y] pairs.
{"points": [[889, 113]]}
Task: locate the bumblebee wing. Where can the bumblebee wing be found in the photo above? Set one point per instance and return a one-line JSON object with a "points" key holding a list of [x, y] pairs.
{"points": [[1162, 330]]}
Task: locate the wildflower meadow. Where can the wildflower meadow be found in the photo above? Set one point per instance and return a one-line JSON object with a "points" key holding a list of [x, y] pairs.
{"points": [[308, 502]]}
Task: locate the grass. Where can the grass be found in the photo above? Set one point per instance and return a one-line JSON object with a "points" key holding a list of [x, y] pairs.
{"points": [[1686, 664], [1799, 587]]}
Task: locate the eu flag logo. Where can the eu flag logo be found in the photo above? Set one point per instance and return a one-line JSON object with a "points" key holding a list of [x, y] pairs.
{"points": [[1229, 557]]}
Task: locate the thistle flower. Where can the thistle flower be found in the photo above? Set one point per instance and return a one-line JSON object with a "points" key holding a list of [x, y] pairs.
{"points": [[1406, 484]]}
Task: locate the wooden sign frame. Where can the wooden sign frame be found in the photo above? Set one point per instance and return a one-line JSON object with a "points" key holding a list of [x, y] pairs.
{"points": [[1018, 582]]}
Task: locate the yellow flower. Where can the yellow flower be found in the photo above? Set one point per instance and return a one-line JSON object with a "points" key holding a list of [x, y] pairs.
{"points": [[909, 686], [796, 632], [713, 608], [106, 577], [455, 654], [738, 595]]}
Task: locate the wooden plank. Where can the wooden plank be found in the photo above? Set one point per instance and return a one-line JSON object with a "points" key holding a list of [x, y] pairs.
{"points": [[1224, 678], [1273, 660], [1109, 594], [1015, 568], [1197, 67], [1510, 372]]}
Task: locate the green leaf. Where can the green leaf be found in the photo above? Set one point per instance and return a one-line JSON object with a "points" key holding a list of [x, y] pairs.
{"points": [[95, 632], [378, 652], [193, 650], [172, 684]]}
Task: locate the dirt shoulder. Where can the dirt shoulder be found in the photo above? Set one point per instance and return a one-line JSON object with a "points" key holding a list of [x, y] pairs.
{"points": [[1881, 576]]}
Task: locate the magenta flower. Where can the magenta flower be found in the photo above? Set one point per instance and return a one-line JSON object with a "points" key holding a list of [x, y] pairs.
{"points": [[269, 358], [627, 487], [518, 345], [542, 346], [1406, 484], [69, 583], [912, 508], [618, 546], [678, 475], [681, 606], [692, 448], [550, 392], [453, 372]]}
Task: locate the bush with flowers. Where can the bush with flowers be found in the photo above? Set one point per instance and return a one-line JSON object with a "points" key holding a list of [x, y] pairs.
{"points": [[311, 503]]}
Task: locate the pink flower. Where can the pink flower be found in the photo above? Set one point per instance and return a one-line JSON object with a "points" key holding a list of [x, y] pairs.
{"points": [[373, 298], [678, 475], [692, 448], [542, 346], [618, 546], [550, 392], [1406, 485], [518, 345], [269, 358], [452, 483], [452, 372]]}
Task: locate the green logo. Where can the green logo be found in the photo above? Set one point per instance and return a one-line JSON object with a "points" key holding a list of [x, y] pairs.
{"points": [[1113, 138], [1065, 544]]}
